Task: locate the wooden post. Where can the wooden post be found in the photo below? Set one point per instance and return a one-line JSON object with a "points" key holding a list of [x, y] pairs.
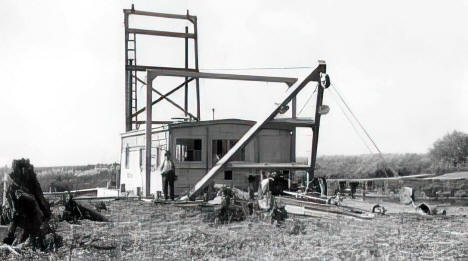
{"points": [[293, 134], [197, 80], [149, 118], [186, 67], [316, 127]]}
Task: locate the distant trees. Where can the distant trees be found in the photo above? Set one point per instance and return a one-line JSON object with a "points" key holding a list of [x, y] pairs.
{"points": [[450, 151], [371, 166], [72, 178]]}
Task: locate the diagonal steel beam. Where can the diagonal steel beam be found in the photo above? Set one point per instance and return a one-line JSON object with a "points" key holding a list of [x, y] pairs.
{"points": [[164, 96], [169, 100], [292, 92]]}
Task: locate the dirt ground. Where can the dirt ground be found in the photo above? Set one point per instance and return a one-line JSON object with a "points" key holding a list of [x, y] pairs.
{"points": [[145, 231]]}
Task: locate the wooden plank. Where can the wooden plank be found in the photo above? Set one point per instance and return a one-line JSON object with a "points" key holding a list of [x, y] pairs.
{"points": [[221, 76], [294, 122], [160, 33], [162, 15], [149, 119], [147, 67]]}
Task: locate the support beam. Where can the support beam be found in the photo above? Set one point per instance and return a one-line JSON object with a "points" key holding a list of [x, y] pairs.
{"points": [[176, 105], [147, 67], [222, 76], [292, 92], [160, 33], [293, 108], [316, 128], [197, 81], [186, 67], [292, 153], [162, 15], [149, 119], [153, 122], [162, 97], [170, 101]]}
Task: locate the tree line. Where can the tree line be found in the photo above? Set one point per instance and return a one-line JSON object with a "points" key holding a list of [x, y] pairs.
{"points": [[449, 153]]}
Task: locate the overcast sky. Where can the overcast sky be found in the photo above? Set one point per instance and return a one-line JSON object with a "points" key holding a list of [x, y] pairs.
{"points": [[401, 65]]}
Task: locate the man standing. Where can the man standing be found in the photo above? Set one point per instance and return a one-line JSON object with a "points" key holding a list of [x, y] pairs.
{"points": [[168, 175]]}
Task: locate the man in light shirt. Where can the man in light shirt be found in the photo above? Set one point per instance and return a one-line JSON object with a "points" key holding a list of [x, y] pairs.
{"points": [[168, 174]]}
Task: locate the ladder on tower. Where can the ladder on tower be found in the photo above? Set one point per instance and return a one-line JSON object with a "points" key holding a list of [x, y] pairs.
{"points": [[132, 60]]}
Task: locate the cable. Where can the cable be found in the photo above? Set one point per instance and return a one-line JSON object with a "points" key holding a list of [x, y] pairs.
{"points": [[363, 129], [355, 118], [307, 101], [354, 127]]}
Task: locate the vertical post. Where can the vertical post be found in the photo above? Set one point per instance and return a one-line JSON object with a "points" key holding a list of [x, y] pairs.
{"points": [[292, 153], [186, 67], [149, 119], [293, 107], [197, 80], [316, 127], [207, 166], [128, 100], [293, 134]]}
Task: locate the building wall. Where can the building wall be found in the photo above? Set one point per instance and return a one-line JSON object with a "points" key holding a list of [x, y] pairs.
{"points": [[268, 146], [274, 146], [133, 174]]}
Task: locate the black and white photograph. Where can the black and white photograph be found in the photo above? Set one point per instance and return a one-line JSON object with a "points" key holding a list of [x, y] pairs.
{"points": [[233, 130]]}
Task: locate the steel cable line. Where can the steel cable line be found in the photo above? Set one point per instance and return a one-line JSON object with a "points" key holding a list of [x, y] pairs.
{"points": [[353, 126], [363, 129], [307, 101]]}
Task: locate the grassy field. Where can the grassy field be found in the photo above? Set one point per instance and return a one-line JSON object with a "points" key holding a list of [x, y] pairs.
{"points": [[145, 231]]}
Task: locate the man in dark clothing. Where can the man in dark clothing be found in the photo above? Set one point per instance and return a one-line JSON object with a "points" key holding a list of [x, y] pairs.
{"points": [[168, 175]]}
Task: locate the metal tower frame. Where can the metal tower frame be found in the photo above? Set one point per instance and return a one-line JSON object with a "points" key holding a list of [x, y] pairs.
{"points": [[132, 67], [190, 74]]}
